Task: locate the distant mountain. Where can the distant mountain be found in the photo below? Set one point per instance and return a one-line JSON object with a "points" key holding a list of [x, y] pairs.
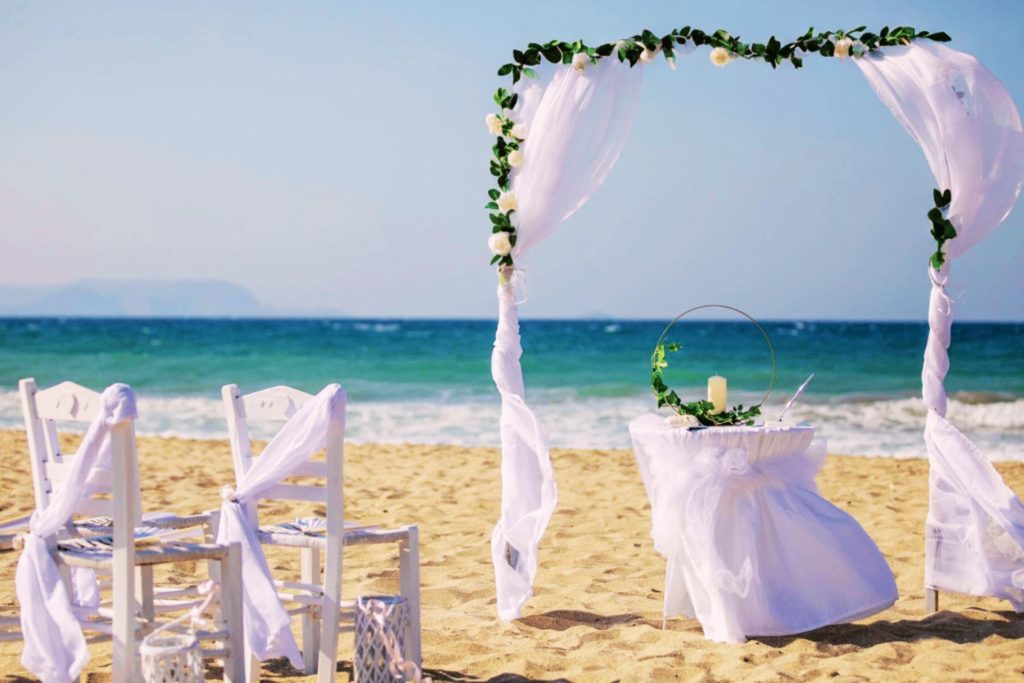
{"points": [[140, 299]]}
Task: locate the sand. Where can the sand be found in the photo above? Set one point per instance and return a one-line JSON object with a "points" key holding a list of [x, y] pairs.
{"points": [[596, 612]]}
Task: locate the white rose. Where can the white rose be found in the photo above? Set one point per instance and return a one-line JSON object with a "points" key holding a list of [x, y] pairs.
{"points": [[647, 56], [843, 48], [515, 158], [686, 421], [507, 201], [720, 56], [580, 61], [493, 124], [500, 244], [519, 131]]}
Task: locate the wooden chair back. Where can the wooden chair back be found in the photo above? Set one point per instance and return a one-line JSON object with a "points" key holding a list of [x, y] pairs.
{"points": [[43, 409], [279, 404]]}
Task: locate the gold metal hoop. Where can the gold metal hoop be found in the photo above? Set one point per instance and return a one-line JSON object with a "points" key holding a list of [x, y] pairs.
{"points": [[764, 333]]}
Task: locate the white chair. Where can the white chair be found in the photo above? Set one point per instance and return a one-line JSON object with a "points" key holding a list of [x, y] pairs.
{"points": [[317, 597], [130, 613], [48, 464]]}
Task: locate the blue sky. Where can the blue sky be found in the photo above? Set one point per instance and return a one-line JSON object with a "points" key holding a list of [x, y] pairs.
{"points": [[333, 155]]}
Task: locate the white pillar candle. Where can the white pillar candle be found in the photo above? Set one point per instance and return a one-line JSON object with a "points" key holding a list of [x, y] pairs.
{"points": [[717, 393]]}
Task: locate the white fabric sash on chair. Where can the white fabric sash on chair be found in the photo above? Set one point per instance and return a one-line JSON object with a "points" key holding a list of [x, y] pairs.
{"points": [[55, 648], [267, 624]]}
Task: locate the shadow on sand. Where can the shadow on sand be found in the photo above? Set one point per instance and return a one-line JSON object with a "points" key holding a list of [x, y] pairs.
{"points": [[944, 625], [563, 619]]}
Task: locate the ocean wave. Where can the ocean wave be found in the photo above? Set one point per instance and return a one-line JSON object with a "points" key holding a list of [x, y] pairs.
{"points": [[883, 427]]}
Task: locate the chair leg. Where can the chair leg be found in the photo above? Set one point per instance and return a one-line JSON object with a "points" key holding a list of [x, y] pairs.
{"points": [[409, 579], [328, 655], [311, 618], [231, 615], [931, 600], [144, 593], [213, 571], [123, 664]]}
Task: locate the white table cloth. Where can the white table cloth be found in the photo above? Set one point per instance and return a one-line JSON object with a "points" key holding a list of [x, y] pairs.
{"points": [[751, 548]]}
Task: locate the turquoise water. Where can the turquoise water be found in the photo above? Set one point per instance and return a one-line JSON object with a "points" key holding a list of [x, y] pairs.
{"points": [[429, 380]]}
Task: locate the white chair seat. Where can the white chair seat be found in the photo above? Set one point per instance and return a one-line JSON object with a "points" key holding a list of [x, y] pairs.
{"points": [[311, 532], [97, 552]]}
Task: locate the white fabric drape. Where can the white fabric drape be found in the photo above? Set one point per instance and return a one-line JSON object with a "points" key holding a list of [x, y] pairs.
{"points": [[576, 125], [55, 648], [737, 515], [970, 132], [267, 624]]}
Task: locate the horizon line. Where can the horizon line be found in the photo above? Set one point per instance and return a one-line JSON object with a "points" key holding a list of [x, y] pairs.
{"points": [[399, 318]]}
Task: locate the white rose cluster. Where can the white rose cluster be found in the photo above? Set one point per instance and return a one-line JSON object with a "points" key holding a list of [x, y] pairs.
{"points": [[647, 56], [500, 244], [682, 421], [507, 201], [580, 61], [493, 122], [720, 56], [843, 46]]}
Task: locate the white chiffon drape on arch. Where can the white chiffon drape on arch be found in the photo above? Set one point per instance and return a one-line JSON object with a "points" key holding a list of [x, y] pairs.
{"points": [[576, 126], [970, 132]]}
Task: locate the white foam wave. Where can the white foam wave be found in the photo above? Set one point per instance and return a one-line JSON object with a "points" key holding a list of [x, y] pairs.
{"points": [[885, 427]]}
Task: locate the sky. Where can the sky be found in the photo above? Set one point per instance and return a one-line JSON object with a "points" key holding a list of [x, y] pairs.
{"points": [[334, 155]]}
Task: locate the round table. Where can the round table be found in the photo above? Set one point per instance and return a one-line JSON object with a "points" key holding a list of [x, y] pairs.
{"points": [[751, 549]]}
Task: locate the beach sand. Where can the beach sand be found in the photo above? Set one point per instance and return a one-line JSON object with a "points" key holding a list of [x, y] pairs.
{"points": [[596, 612]]}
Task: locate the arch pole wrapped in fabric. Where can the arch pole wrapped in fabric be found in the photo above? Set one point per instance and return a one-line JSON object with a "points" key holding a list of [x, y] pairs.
{"points": [[576, 125], [970, 131]]}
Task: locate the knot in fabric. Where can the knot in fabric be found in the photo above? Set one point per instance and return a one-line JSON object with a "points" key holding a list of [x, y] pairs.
{"points": [[228, 495], [723, 462]]}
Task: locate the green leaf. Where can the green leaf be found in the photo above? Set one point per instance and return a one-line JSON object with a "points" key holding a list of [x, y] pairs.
{"points": [[495, 259], [940, 37], [518, 56], [935, 214], [552, 54], [529, 73], [938, 197], [493, 194], [505, 70], [947, 197]]}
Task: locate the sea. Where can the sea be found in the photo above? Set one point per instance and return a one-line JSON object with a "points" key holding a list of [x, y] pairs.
{"points": [[428, 381]]}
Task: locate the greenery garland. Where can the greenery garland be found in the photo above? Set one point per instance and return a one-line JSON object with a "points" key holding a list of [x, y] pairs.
{"points": [[942, 229], [644, 48], [704, 411]]}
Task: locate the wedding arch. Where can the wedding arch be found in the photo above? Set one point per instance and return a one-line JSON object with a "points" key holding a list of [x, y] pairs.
{"points": [[560, 130]]}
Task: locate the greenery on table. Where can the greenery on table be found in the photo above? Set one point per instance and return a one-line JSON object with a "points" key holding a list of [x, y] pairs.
{"points": [[702, 410], [643, 48]]}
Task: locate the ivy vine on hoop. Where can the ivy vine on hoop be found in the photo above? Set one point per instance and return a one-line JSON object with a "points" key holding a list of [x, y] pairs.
{"points": [[704, 411], [643, 48]]}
